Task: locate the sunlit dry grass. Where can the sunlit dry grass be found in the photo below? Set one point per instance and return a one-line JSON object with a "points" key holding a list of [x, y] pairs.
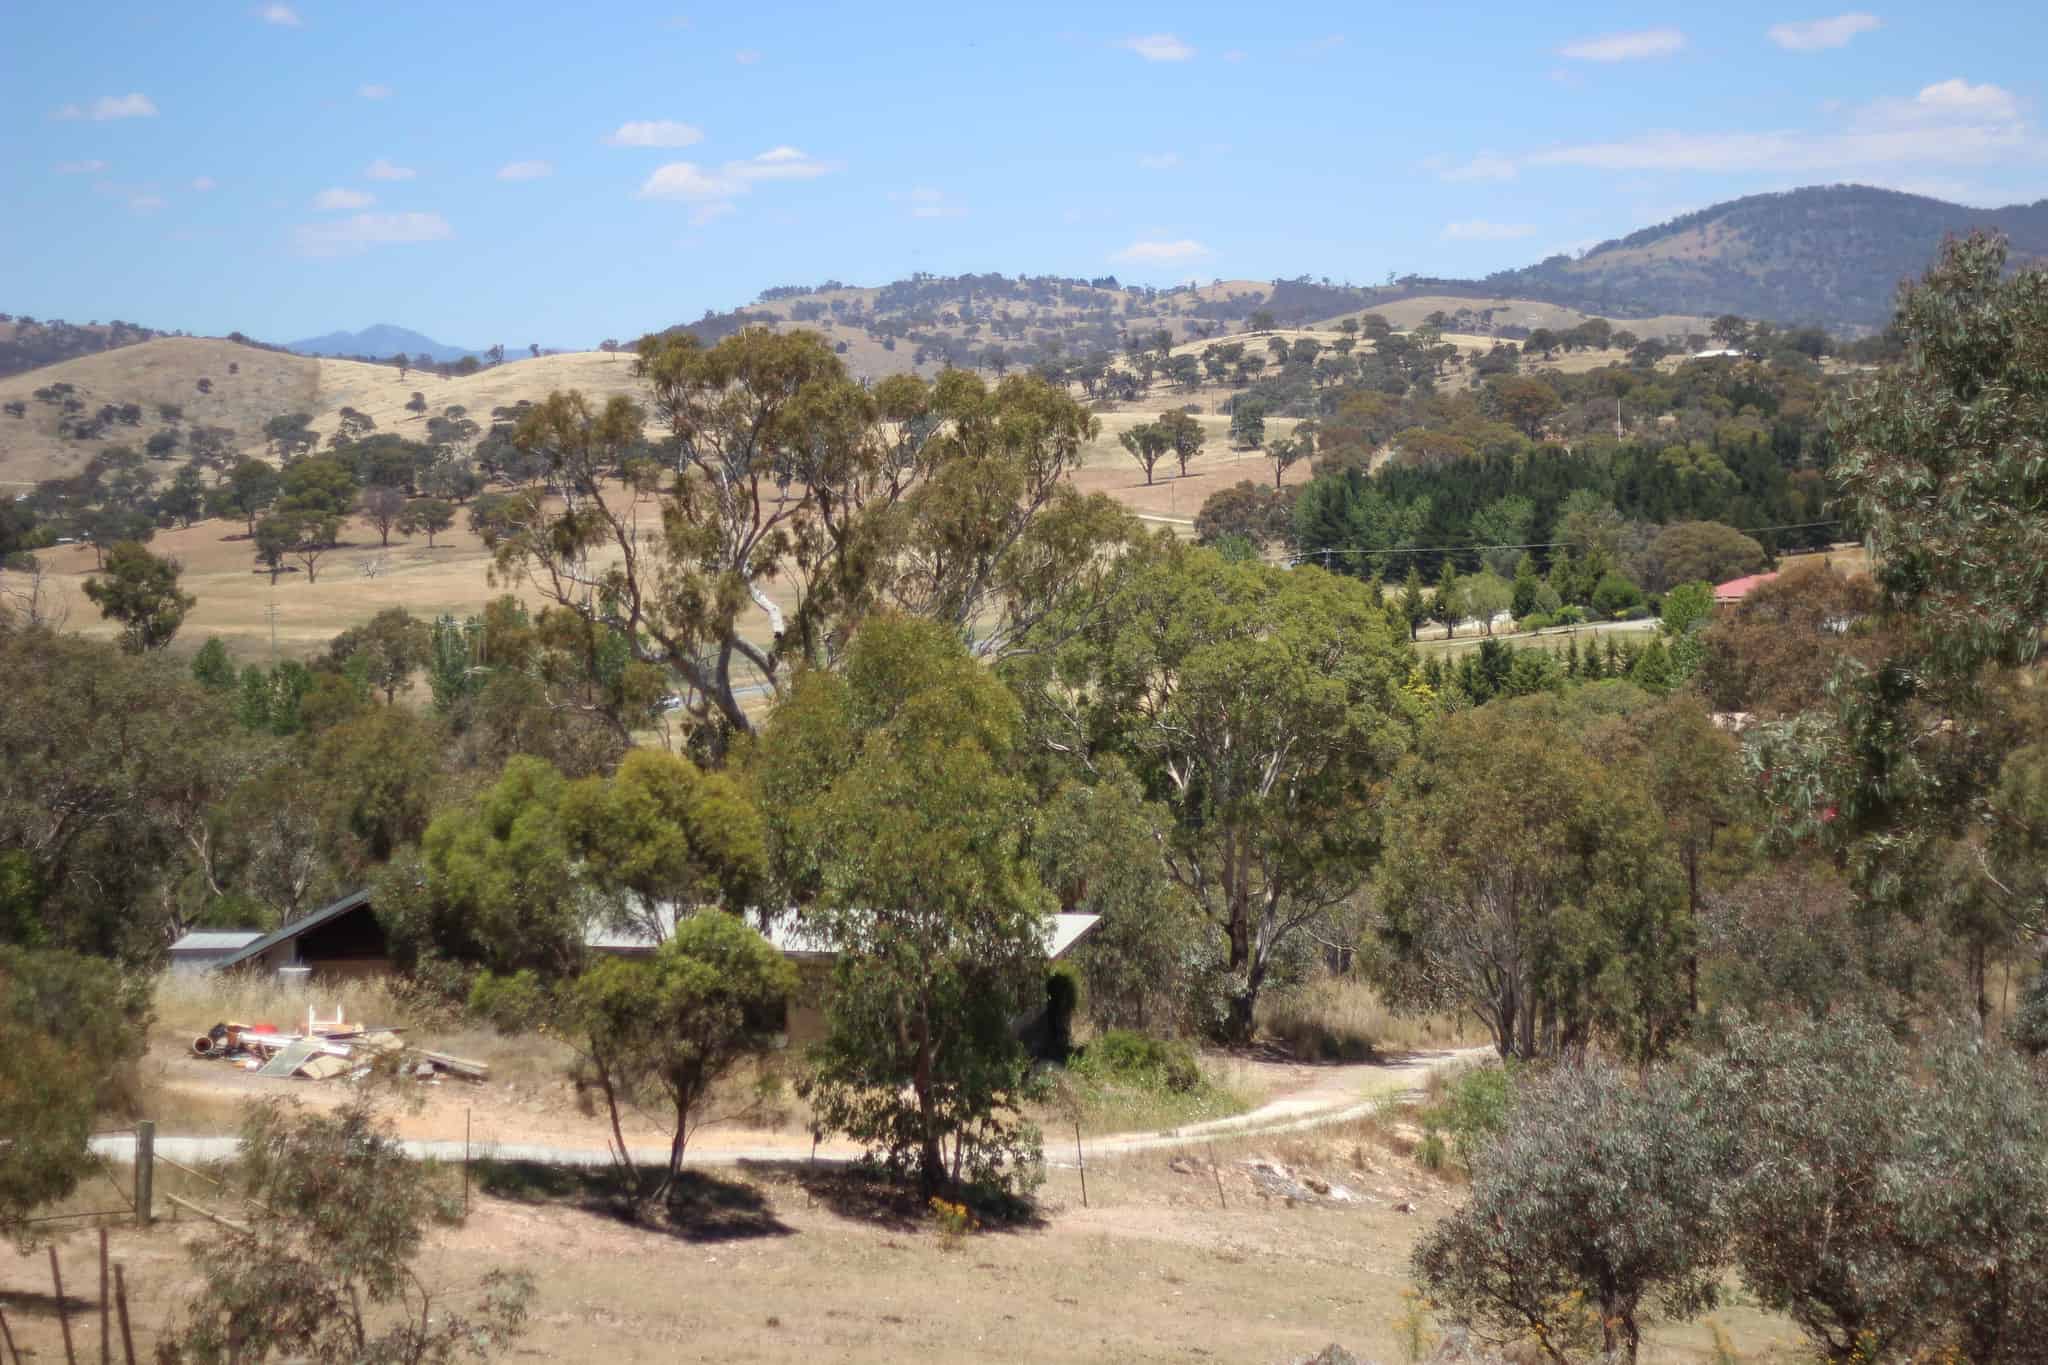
{"points": [[1341, 1018]]}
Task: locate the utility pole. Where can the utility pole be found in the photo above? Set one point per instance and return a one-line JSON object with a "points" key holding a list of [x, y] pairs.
{"points": [[271, 612]]}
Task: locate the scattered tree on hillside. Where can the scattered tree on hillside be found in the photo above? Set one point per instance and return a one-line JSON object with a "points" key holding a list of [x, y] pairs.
{"points": [[1248, 426], [1184, 435], [140, 591], [391, 647], [383, 508], [430, 515], [290, 436], [1148, 444]]}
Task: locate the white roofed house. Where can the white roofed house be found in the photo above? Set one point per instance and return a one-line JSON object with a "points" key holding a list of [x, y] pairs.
{"points": [[812, 954], [345, 940]]}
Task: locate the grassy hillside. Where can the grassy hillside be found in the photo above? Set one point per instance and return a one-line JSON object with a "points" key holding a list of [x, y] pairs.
{"points": [[27, 343], [246, 387]]}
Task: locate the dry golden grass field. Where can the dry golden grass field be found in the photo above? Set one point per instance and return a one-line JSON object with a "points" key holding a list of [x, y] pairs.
{"points": [[785, 1263], [1182, 1252]]}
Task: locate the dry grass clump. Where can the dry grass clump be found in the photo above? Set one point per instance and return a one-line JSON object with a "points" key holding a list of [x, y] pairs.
{"points": [[1342, 1019]]}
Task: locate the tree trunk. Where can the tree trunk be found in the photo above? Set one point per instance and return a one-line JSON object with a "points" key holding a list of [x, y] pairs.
{"points": [[1692, 914], [932, 1161]]}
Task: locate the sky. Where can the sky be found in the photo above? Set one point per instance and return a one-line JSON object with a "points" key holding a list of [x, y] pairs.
{"points": [[540, 173]]}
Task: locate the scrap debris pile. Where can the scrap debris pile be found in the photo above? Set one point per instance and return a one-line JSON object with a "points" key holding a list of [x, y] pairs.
{"points": [[327, 1048]]}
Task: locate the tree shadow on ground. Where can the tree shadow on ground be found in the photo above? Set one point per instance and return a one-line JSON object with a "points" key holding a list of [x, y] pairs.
{"points": [[700, 1208], [863, 1193], [1328, 1050]]}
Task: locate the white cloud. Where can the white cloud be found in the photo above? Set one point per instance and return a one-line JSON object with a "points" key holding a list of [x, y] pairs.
{"points": [[525, 170], [364, 230], [687, 180], [373, 91], [655, 133], [777, 163], [204, 183], [380, 169], [282, 15], [1159, 161], [926, 202], [1817, 35], [1485, 166], [1480, 230], [1159, 47], [747, 56], [146, 203], [1162, 253], [715, 189], [1946, 124], [343, 199], [1235, 54], [80, 167], [110, 107], [1625, 47], [1959, 99]]}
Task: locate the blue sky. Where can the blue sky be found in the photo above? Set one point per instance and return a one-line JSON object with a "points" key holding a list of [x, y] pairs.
{"points": [[525, 172]]}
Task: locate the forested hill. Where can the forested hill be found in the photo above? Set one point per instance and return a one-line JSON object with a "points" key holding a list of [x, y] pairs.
{"points": [[1832, 255], [28, 343]]}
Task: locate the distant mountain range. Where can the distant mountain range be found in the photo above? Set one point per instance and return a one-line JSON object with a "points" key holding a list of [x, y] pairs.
{"points": [[1832, 255], [383, 341]]}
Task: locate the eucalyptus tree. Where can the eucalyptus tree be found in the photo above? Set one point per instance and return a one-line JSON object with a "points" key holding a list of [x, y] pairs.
{"points": [[1263, 708], [786, 502]]}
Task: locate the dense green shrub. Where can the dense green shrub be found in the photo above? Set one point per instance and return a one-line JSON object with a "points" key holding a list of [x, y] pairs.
{"points": [[1136, 1058], [1474, 1110], [1598, 1202]]}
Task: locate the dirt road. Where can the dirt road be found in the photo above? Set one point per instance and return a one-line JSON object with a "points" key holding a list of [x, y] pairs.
{"points": [[1308, 1097]]}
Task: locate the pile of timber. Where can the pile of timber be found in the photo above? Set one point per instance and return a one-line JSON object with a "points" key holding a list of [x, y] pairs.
{"points": [[325, 1050]]}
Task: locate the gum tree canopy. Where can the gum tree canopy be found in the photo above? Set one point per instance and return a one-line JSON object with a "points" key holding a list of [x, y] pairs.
{"points": [[786, 502], [1264, 708]]}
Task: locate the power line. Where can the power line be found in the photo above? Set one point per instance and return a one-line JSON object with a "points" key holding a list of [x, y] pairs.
{"points": [[1305, 556]]}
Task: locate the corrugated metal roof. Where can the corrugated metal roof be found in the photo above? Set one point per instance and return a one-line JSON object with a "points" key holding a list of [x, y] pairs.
{"points": [[299, 926], [216, 940], [794, 938]]}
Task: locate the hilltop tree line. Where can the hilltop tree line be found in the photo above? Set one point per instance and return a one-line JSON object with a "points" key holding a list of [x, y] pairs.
{"points": [[35, 342]]}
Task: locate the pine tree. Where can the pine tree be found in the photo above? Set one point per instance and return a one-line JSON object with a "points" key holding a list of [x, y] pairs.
{"points": [[1564, 576], [1527, 584], [1414, 609], [1446, 607]]}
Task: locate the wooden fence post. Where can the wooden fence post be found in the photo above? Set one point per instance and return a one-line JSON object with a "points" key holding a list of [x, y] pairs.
{"points": [[145, 1170], [121, 1304], [106, 1318], [63, 1317]]}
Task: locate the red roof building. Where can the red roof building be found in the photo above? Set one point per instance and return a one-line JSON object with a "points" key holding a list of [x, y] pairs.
{"points": [[1735, 589]]}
